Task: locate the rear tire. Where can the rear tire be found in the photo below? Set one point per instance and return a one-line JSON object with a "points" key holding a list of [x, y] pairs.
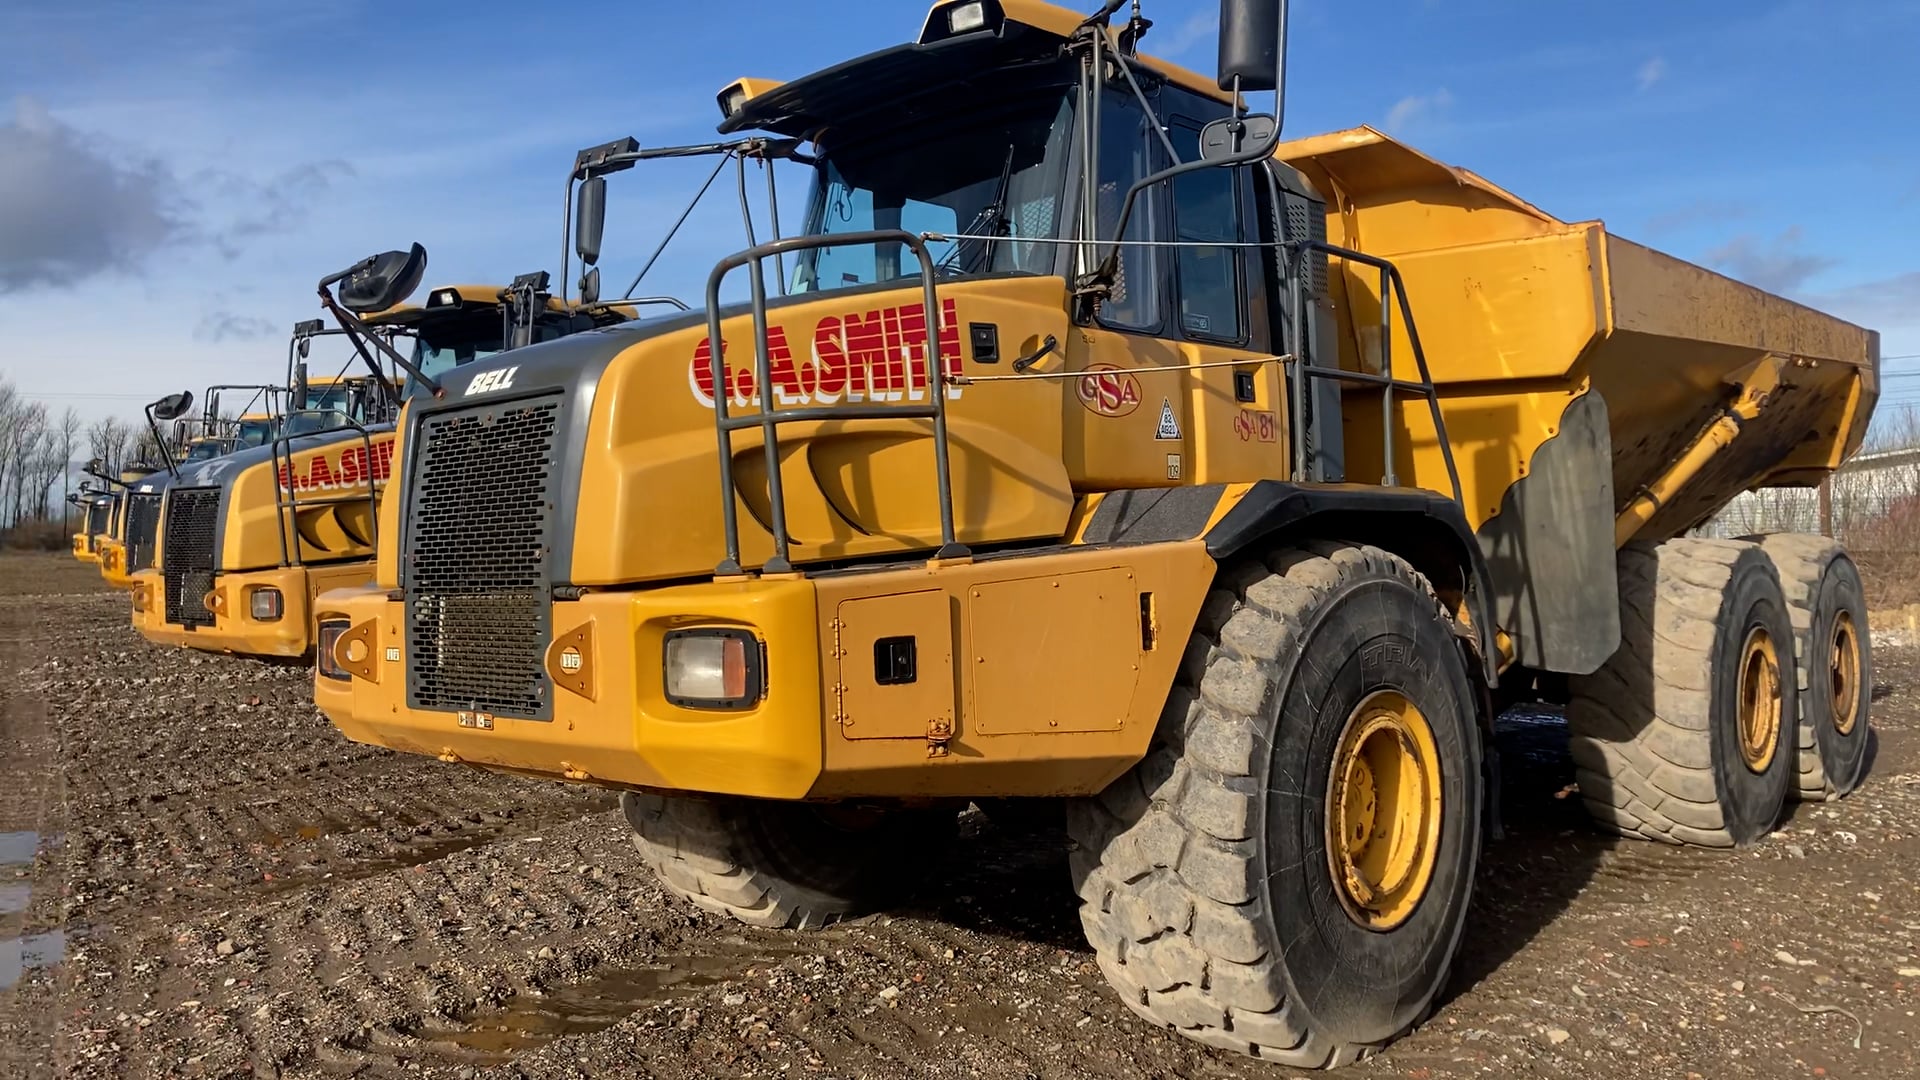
{"points": [[1834, 661], [782, 865], [1286, 873], [1687, 734]]}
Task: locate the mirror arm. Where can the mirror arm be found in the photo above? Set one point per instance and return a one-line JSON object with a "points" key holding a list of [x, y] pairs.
{"points": [[333, 279], [356, 330], [161, 441]]}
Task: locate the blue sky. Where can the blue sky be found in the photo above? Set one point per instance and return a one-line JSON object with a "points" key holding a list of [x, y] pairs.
{"points": [[174, 178]]}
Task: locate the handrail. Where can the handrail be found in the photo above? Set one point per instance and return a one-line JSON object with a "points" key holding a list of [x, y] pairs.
{"points": [[1393, 293], [768, 420], [287, 501]]}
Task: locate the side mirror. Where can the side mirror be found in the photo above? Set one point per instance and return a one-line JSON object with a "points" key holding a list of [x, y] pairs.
{"points": [[590, 219], [172, 406], [590, 286], [384, 280], [1250, 51], [300, 384], [1228, 135]]}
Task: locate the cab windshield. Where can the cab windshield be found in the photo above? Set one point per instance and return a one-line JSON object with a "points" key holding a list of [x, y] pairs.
{"points": [[440, 349], [327, 409], [995, 173], [205, 450], [254, 432]]}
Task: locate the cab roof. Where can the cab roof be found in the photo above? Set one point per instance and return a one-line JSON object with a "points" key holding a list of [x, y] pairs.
{"points": [[450, 299], [937, 64]]}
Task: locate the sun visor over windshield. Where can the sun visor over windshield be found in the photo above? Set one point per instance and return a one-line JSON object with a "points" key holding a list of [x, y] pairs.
{"points": [[903, 82]]}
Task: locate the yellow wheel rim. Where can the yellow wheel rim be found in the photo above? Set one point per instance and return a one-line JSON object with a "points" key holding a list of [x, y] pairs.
{"points": [[1383, 811], [1843, 674], [1759, 700]]}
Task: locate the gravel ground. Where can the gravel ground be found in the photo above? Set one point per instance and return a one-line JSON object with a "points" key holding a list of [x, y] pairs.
{"points": [[198, 877]]}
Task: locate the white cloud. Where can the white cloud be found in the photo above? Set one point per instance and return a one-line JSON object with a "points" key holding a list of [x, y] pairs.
{"points": [[227, 326], [1777, 265], [1651, 72], [1416, 110]]}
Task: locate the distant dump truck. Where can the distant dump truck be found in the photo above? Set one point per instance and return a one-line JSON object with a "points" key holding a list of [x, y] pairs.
{"points": [[119, 548], [95, 509], [1103, 446], [247, 539]]}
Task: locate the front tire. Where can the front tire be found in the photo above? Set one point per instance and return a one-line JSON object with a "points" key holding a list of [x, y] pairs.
{"points": [[1287, 872], [782, 865]]}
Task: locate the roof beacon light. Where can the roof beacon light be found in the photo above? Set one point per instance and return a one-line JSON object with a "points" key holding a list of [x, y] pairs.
{"points": [[966, 18]]}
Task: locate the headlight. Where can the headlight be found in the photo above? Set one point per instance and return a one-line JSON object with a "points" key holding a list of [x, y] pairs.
{"points": [[712, 668], [966, 18], [323, 651], [265, 604]]}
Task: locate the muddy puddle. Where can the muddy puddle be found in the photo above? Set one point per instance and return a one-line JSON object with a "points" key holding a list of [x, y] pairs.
{"points": [[30, 952], [531, 1021], [13, 898], [18, 847]]}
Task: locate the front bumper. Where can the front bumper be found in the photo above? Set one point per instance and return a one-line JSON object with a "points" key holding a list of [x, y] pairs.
{"points": [[626, 733], [1032, 677], [112, 557], [234, 629]]}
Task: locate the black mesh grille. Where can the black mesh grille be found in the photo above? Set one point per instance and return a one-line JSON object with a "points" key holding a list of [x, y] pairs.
{"points": [[143, 524], [476, 559], [1307, 221], [187, 553]]}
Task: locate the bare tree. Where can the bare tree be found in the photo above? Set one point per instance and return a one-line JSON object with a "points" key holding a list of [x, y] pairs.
{"points": [[108, 440], [67, 432]]}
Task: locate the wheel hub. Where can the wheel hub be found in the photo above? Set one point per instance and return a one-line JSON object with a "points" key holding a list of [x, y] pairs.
{"points": [[1759, 700], [1383, 811], [1843, 674]]}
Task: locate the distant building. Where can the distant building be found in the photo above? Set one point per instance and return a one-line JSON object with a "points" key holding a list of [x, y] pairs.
{"points": [[1876, 497]]}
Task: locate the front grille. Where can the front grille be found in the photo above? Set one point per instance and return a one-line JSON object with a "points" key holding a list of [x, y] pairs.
{"points": [[476, 559], [143, 524], [187, 555]]}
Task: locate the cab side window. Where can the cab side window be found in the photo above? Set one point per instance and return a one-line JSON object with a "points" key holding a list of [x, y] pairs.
{"points": [[1129, 150], [1207, 211]]}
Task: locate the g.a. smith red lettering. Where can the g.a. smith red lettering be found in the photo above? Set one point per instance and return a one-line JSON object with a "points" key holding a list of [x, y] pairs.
{"points": [[347, 469], [878, 355]]}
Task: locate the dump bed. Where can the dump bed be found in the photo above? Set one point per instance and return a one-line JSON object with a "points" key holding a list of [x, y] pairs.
{"points": [[1521, 315]]}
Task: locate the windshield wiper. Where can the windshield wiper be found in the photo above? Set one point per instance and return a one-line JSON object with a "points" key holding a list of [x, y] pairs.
{"points": [[992, 219]]}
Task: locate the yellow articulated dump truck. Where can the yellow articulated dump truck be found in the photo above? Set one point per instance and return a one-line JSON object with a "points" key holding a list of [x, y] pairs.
{"points": [[95, 510], [1099, 444], [247, 539], [126, 544]]}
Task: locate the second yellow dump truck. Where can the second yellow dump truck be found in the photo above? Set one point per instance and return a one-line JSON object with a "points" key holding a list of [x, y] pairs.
{"points": [[127, 543], [246, 540], [1103, 446]]}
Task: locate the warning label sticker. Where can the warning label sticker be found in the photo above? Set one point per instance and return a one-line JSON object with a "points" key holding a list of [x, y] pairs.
{"points": [[1169, 429]]}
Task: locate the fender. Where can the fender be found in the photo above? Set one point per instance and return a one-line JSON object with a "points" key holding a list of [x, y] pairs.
{"points": [[1427, 529]]}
